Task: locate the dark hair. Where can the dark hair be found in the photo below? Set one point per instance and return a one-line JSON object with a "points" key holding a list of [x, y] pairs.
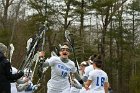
{"points": [[93, 57], [97, 60], [98, 63]]}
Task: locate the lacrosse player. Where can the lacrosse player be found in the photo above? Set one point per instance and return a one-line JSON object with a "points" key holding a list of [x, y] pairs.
{"points": [[61, 67]]}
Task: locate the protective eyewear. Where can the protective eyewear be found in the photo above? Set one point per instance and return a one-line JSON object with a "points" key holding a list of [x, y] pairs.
{"points": [[65, 49]]}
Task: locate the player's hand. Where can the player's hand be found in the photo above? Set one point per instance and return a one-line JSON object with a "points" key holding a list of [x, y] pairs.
{"points": [[42, 54]]}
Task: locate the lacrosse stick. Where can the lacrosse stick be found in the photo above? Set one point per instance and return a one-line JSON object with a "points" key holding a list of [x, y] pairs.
{"points": [[12, 48], [71, 43]]}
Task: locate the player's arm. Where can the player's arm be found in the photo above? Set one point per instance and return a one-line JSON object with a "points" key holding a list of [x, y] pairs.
{"points": [[45, 64], [86, 74], [106, 86], [50, 61], [89, 81], [87, 84]]}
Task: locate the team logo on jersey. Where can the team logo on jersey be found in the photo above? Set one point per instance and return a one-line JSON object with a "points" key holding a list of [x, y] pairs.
{"points": [[63, 67]]}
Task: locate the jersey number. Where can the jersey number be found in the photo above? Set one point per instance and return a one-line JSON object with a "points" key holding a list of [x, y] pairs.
{"points": [[64, 74], [100, 81]]}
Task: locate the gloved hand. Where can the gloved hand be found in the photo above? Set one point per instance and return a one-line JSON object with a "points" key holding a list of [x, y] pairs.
{"points": [[35, 87], [20, 73]]}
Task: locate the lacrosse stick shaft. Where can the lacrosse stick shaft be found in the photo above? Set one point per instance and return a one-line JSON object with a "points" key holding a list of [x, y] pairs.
{"points": [[71, 42], [11, 51]]}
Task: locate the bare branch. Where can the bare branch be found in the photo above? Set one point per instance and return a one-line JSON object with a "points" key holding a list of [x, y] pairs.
{"points": [[10, 2], [3, 3]]}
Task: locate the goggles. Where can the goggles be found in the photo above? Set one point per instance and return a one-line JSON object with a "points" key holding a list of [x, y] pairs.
{"points": [[65, 49]]}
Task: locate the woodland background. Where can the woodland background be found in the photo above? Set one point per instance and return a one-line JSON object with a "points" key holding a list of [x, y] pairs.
{"points": [[107, 27]]}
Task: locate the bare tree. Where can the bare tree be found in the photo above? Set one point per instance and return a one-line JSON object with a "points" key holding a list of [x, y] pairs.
{"points": [[6, 4]]}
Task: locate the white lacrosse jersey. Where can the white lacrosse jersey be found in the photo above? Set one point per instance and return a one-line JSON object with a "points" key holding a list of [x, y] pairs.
{"points": [[83, 90], [74, 90], [59, 73], [13, 85], [87, 70], [98, 77]]}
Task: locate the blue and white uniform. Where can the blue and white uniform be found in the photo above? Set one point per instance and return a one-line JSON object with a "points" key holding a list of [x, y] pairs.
{"points": [[59, 82], [88, 69], [74, 90], [98, 77]]}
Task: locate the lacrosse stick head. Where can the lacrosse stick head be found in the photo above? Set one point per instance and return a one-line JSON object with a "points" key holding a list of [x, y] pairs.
{"points": [[68, 37], [53, 53], [28, 72], [12, 48], [29, 43]]}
